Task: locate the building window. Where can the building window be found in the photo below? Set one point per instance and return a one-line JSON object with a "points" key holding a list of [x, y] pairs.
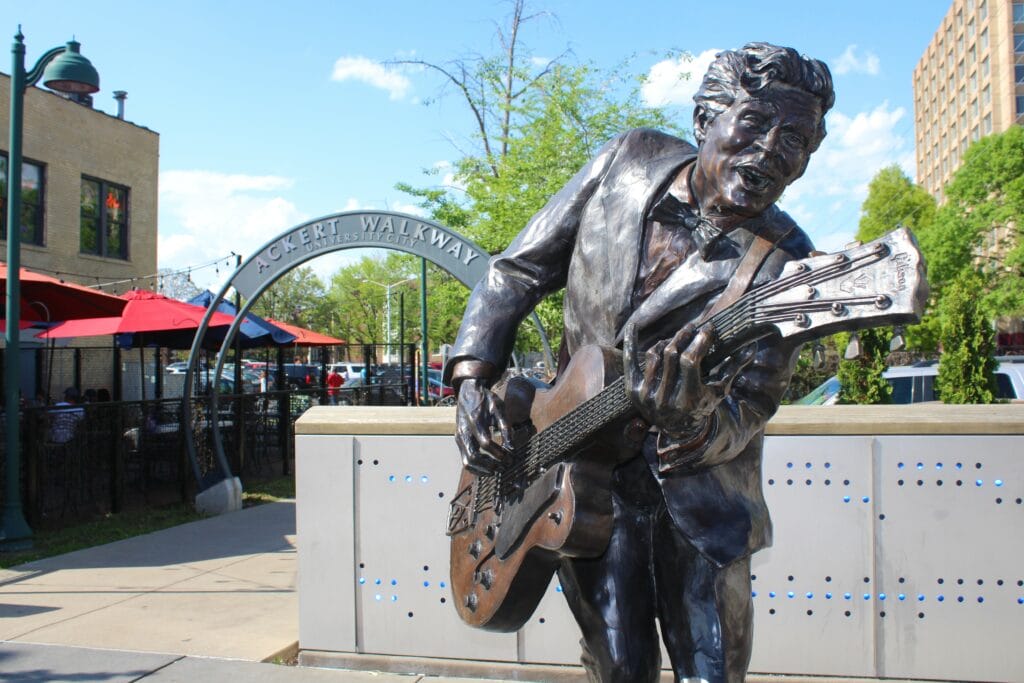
{"points": [[974, 134], [983, 40], [953, 156], [960, 70], [970, 29], [1018, 12], [31, 201], [984, 68], [962, 96], [986, 124], [974, 108], [1020, 105], [982, 10], [104, 219], [986, 95], [1018, 42]]}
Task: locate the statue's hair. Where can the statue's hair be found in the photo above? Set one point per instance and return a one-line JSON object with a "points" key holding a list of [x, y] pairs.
{"points": [[756, 66]]}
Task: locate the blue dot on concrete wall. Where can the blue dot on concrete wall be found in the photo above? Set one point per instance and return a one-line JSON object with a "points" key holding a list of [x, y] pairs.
{"points": [[789, 465], [361, 580], [394, 582], [846, 499], [377, 582], [810, 595], [753, 594], [920, 465], [790, 594], [998, 482], [558, 589], [920, 598], [940, 598], [847, 596], [881, 596], [828, 596], [1020, 601], [902, 596], [899, 466], [978, 482], [408, 479], [394, 598], [424, 479], [865, 499], [938, 465], [377, 597], [867, 596], [426, 584], [442, 584], [771, 594], [391, 478]]}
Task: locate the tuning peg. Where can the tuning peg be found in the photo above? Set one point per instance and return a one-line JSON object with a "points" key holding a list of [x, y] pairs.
{"points": [[853, 348], [818, 356], [898, 342]]}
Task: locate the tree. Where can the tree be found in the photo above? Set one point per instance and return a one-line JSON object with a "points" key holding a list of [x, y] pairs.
{"points": [[297, 299], [534, 128], [966, 373], [861, 377], [980, 225], [894, 200], [177, 285]]}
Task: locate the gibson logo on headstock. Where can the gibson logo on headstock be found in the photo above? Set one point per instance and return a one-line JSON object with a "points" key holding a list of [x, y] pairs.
{"points": [[862, 281], [901, 262]]}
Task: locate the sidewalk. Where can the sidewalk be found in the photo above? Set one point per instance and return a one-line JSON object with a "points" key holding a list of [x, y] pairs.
{"points": [[206, 601]]}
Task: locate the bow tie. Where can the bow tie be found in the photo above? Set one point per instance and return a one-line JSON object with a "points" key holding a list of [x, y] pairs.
{"points": [[670, 211]]}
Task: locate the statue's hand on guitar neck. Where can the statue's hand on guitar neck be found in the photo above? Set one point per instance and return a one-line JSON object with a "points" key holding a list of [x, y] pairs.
{"points": [[481, 414], [666, 385]]}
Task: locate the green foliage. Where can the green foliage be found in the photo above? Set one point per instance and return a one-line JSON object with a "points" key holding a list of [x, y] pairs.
{"points": [[966, 373], [980, 224], [297, 299], [894, 200], [536, 126], [861, 378]]}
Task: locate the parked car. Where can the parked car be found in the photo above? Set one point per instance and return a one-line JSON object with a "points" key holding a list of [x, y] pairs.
{"points": [[349, 371], [916, 383], [297, 376]]}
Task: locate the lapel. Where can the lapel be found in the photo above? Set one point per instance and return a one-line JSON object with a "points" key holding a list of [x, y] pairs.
{"points": [[693, 279]]}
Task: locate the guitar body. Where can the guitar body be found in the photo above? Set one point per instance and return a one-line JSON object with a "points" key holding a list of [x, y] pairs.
{"points": [[504, 552]]}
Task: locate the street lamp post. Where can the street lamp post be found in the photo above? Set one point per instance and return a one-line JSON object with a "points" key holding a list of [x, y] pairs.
{"points": [[66, 70], [387, 309]]}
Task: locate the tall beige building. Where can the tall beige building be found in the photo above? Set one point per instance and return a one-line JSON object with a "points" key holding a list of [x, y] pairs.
{"points": [[968, 83]]}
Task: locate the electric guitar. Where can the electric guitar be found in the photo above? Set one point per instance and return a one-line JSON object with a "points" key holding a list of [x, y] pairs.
{"points": [[551, 498]]}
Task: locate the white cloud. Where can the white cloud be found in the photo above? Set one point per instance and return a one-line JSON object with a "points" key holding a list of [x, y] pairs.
{"points": [[674, 81], [851, 62], [827, 200], [373, 74], [205, 215]]}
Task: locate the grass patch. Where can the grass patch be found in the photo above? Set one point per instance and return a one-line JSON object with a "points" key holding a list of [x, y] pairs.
{"points": [[270, 491], [111, 527]]}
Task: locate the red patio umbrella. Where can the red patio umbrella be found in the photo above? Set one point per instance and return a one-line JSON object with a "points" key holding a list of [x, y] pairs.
{"points": [[144, 312], [304, 337], [46, 298]]}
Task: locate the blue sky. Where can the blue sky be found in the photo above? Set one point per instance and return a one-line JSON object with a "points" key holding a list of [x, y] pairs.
{"points": [[271, 113]]}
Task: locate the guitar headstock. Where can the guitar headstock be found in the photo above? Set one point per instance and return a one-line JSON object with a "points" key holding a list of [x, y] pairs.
{"points": [[871, 285]]}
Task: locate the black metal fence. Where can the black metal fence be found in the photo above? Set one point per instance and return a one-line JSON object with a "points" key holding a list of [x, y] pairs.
{"points": [[83, 461]]}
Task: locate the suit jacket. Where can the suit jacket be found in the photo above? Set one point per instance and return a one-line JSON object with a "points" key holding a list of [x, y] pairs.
{"points": [[589, 239]]}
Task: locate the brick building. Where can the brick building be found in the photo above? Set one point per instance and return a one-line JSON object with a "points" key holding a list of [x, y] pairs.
{"points": [[89, 190]]}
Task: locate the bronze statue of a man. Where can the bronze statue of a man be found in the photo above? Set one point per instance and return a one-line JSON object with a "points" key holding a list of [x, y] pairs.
{"points": [[645, 239]]}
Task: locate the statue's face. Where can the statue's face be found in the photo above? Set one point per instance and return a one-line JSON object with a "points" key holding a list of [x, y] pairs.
{"points": [[754, 149]]}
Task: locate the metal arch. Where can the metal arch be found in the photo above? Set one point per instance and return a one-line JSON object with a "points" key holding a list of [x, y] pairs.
{"points": [[462, 258]]}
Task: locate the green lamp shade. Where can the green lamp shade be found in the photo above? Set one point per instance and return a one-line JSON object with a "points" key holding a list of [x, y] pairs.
{"points": [[70, 72]]}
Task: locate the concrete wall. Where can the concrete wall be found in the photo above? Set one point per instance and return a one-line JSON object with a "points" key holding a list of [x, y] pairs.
{"points": [[896, 550], [71, 140]]}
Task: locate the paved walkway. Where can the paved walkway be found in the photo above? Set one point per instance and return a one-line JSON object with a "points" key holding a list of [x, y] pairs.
{"points": [[206, 601]]}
